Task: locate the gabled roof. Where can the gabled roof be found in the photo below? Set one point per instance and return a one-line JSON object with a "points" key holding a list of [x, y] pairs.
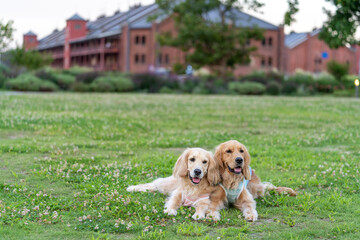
{"points": [[137, 18], [76, 17], [294, 39], [30, 33]]}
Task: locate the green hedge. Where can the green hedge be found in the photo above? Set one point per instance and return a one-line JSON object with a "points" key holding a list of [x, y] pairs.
{"points": [[117, 83], [248, 88], [29, 82]]}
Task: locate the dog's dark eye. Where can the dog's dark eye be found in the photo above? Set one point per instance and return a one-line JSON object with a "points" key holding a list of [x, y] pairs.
{"points": [[229, 151], [241, 150], [204, 162], [192, 159]]}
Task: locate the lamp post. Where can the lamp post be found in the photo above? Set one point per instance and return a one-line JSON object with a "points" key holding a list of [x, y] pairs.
{"points": [[356, 88]]}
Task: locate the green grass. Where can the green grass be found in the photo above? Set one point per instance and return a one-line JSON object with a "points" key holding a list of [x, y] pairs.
{"points": [[66, 159]]}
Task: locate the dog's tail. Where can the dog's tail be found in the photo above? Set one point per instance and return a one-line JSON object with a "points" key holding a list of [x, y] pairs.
{"points": [[281, 190]]}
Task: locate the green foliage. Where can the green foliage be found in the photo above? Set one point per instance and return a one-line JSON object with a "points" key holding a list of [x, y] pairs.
{"points": [[289, 87], [6, 34], [325, 82], [77, 70], [293, 9], [248, 88], [349, 80], [273, 88], [302, 78], [344, 93], [64, 81], [166, 90], [256, 76], [119, 83], [29, 82], [179, 68], [338, 70], [31, 60], [342, 24], [209, 42]]}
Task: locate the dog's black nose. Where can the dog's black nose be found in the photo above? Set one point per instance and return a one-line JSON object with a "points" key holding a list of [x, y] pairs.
{"points": [[239, 160], [197, 172]]}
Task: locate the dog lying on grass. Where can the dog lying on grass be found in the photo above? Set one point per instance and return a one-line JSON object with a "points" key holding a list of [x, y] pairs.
{"points": [[195, 177], [240, 185]]}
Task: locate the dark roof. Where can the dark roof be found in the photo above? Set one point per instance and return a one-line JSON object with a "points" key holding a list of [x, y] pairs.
{"points": [[137, 19], [294, 39], [30, 33], [76, 17]]}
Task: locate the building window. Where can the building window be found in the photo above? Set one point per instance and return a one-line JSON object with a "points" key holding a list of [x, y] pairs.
{"points": [[270, 41], [143, 40], [263, 62], [31, 40], [136, 58], [77, 26], [137, 40], [263, 42], [143, 59], [270, 61], [160, 58], [167, 60]]}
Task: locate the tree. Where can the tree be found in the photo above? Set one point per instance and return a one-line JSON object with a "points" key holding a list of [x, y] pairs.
{"points": [[341, 25], [209, 31], [338, 70], [31, 60], [6, 32]]}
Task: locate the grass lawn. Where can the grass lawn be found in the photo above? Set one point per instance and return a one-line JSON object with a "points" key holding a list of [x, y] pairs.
{"points": [[66, 159]]}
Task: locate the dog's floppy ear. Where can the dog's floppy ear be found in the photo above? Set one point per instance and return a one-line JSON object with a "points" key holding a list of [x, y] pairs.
{"points": [[213, 174], [247, 160], [218, 158], [180, 169]]}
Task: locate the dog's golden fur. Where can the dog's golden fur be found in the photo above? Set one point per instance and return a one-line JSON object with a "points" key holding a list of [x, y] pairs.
{"points": [[181, 183], [226, 155]]}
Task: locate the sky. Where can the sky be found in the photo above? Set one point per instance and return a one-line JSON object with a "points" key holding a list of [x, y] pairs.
{"points": [[43, 16]]}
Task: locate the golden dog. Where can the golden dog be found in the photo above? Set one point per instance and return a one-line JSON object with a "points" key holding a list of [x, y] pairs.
{"points": [[240, 185], [195, 178]]}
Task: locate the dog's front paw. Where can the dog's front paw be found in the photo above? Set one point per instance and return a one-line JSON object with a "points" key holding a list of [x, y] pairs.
{"points": [[170, 212], [214, 215], [251, 215], [198, 216]]}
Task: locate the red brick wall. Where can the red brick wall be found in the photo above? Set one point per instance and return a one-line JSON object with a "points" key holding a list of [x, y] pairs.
{"points": [[140, 49], [30, 42], [304, 55]]}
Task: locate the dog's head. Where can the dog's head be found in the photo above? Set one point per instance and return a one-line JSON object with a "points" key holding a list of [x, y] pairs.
{"points": [[196, 164], [233, 157]]}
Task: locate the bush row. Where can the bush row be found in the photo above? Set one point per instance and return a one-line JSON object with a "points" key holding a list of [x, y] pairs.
{"points": [[81, 79]]}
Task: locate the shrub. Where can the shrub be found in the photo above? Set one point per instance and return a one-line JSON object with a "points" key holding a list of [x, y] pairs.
{"points": [[153, 83], [81, 87], [250, 88], [200, 89], [87, 77], [112, 84], [289, 87], [29, 82], [325, 82], [348, 81], [275, 75], [302, 78], [273, 88], [64, 81], [2, 79], [338, 70], [76, 70], [47, 73], [179, 68], [256, 76], [166, 90]]}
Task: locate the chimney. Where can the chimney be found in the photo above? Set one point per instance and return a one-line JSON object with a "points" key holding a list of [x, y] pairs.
{"points": [[30, 41]]}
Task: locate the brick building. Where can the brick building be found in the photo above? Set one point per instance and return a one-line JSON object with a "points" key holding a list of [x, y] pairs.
{"points": [[126, 41], [306, 51]]}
